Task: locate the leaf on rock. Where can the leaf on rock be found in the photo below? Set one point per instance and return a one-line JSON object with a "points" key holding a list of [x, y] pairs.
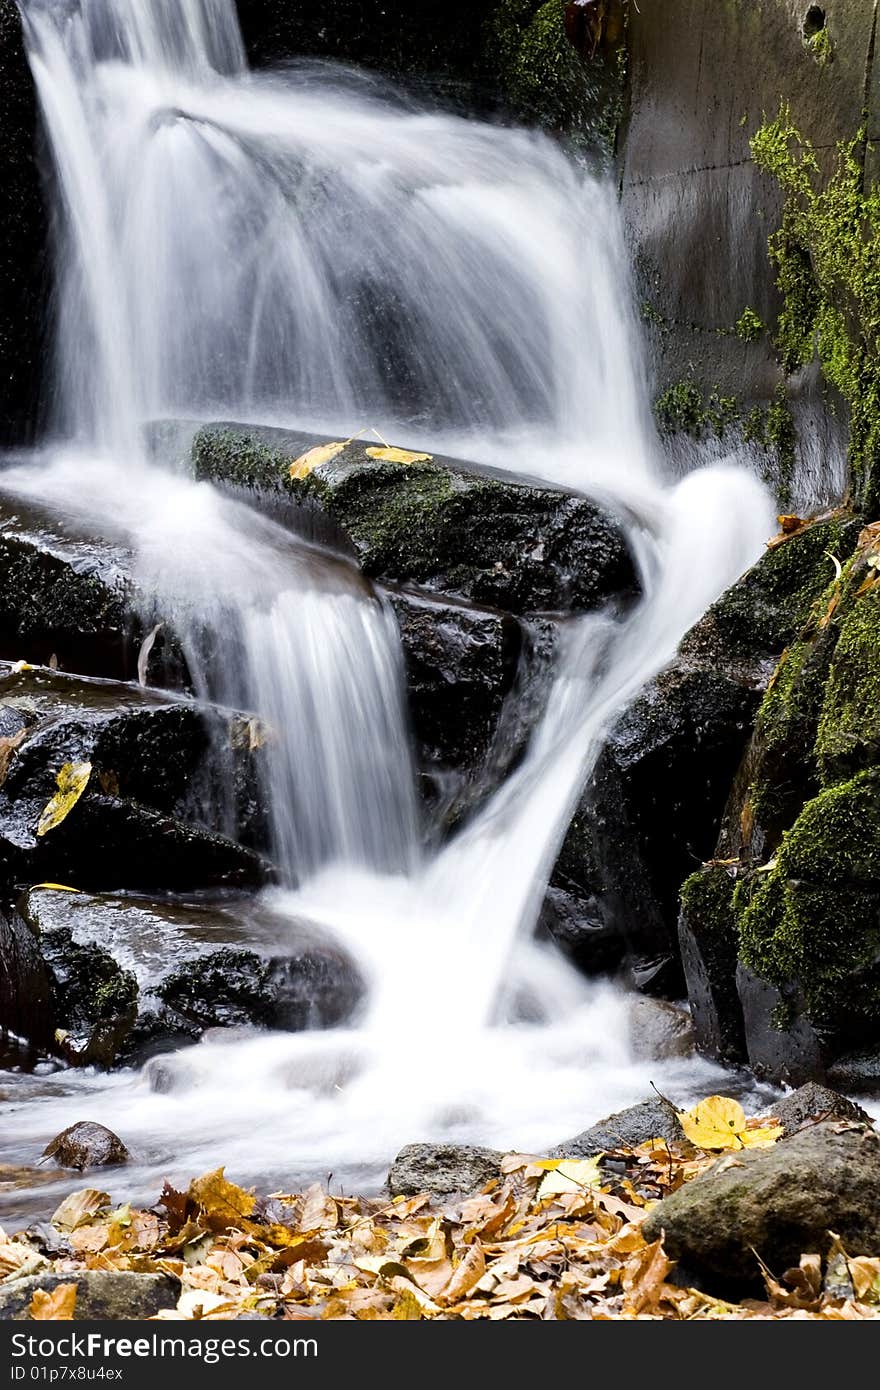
{"points": [[57, 887], [313, 458], [55, 1305], [72, 781], [720, 1123], [389, 455]]}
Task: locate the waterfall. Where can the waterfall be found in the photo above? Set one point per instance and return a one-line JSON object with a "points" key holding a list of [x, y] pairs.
{"points": [[311, 248]]}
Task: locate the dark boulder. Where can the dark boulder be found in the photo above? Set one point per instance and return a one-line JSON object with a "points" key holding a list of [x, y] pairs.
{"points": [[858, 1073], [106, 842], [811, 1103], [86, 1145], [578, 925], [776, 1203], [102, 1295], [93, 1001], [23, 238], [461, 663], [651, 1119], [442, 1169], [461, 530], [708, 943], [133, 976], [24, 983]]}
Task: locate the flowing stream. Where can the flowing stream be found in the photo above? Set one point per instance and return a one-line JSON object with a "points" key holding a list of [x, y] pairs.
{"points": [[310, 248]]}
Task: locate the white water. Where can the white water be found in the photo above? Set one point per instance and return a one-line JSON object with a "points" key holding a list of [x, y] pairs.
{"points": [[313, 250]]}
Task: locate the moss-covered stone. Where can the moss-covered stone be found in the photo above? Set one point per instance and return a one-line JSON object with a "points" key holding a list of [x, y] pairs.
{"points": [[827, 255], [762, 613], [451, 526], [813, 915], [848, 734], [708, 942]]}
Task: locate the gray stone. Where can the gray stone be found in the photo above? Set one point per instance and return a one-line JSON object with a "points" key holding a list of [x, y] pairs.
{"points": [[102, 1295], [791, 1054], [659, 1030], [86, 1145], [857, 1073], [811, 1103], [779, 1202], [624, 1130], [442, 1169]]}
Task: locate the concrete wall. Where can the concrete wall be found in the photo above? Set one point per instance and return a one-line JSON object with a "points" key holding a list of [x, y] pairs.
{"points": [[702, 75]]}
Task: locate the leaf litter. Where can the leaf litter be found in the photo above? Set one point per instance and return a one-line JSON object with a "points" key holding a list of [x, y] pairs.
{"points": [[549, 1239]]}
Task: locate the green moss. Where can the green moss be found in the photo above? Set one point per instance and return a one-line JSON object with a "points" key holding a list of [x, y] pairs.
{"points": [[814, 916], [115, 996], [848, 735], [544, 78], [821, 46], [827, 256], [707, 900], [769, 606], [683, 408], [749, 326]]}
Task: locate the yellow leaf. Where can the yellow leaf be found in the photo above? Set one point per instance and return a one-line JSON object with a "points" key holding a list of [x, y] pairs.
{"points": [[313, 458], [720, 1123], [568, 1175], [58, 1305], [390, 455], [407, 1308], [72, 781], [223, 1204], [57, 887], [21, 666], [763, 1138], [716, 1123]]}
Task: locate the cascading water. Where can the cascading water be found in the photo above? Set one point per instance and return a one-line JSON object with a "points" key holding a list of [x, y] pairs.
{"points": [[311, 249]]}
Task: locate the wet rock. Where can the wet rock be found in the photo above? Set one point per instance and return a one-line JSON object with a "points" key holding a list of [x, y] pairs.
{"points": [[23, 271], [86, 1145], [181, 967], [781, 1043], [24, 983], [66, 596], [812, 1103], [101, 1295], [659, 1030], [577, 924], [626, 1129], [461, 663], [93, 1001], [232, 988], [857, 1073], [106, 842], [708, 942], [779, 1203], [442, 1169], [450, 526]]}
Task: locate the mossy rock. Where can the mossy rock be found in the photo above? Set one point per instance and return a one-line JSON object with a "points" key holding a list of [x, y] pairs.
{"points": [[456, 528], [848, 734], [763, 612], [708, 941], [813, 915]]}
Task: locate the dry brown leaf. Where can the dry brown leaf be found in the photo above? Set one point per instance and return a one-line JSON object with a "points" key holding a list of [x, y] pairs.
{"points": [[221, 1202], [55, 1305], [466, 1275], [644, 1277], [79, 1208]]}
